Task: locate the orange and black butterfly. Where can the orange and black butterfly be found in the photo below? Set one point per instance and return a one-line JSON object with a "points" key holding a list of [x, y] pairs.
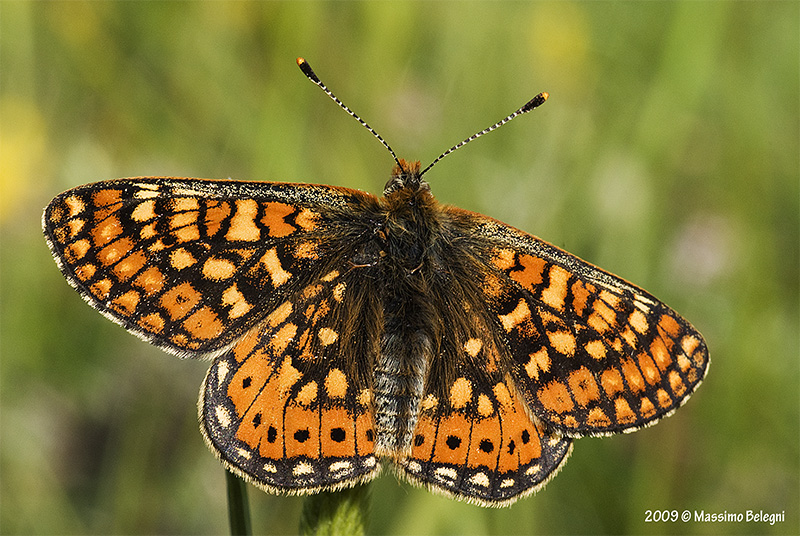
{"points": [[348, 330]]}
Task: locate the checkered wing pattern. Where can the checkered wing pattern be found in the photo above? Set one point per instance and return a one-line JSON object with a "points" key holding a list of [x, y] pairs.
{"points": [[290, 407], [592, 353], [188, 264]]}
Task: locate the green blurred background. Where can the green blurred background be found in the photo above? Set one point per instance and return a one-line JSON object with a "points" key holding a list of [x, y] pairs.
{"points": [[667, 153]]}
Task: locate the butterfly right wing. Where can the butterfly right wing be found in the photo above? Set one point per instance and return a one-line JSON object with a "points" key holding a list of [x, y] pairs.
{"points": [[191, 264], [593, 354]]}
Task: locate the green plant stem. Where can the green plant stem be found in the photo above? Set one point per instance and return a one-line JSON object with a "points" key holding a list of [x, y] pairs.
{"points": [[238, 509], [336, 513]]}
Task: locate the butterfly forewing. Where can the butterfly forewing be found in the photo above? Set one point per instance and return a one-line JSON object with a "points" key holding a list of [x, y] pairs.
{"points": [[593, 353], [191, 264]]}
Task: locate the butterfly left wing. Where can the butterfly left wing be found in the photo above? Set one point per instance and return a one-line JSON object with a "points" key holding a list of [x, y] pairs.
{"points": [[290, 408], [593, 354]]}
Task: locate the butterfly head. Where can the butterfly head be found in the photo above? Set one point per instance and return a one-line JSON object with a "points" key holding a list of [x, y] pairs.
{"points": [[406, 175]]}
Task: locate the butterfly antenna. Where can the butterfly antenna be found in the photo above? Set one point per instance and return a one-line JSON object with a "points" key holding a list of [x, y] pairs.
{"points": [[535, 102], [311, 75]]}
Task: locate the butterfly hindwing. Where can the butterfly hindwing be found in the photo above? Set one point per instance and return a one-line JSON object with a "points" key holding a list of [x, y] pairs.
{"points": [[190, 264], [289, 407]]}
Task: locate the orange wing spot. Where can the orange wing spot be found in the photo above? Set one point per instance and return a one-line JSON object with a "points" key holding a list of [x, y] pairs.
{"points": [[106, 197], [630, 337], [676, 384], [337, 436], [246, 345], [597, 323], [531, 273], [539, 361], [234, 299], [190, 233], [503, 259], [86, 271], [596, 349], [452, 439], [106, 231], [311, 291], [520, 314], [563, 342], [302, 432], [151, 280], [647, 409], [556, 292], [126, 303], [327, 336], [520, 439], [338, 291], [75, 205], [611, 380], [608, 314], [307, 219], [178, 301], [424, 435], [127, 267], [624, 413], [306, 250], [274, 220], [218, 269], [216, 213], [503, 396], [611, 299], [689, 344], [664, 400], [75, 226], [365, 398], [583, 386], [649, 369], [203, 324], [307, 394], [365, 434], [242, 224], [638, 320], [579, 297], [429, 403], [101, 288], [597, 417], [183, 219], [660, 353], [460, 393], [555, 397], [280, 341], [485, 406], [670, 325], [181, 204], [144, 211], [330, 276], [336, 384], [153, 323], [632, 376], [485, 442], [148, 231], [472, 347], [77, 250], [180, 259], [280, 314], [272, 264]]}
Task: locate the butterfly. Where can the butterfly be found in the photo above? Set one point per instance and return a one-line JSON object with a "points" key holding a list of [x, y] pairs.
{"points": [[346, 330]]}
